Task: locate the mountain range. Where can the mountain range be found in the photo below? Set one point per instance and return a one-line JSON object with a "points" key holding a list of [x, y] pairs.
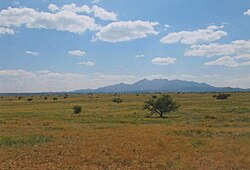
{"points": [[160, 85]]}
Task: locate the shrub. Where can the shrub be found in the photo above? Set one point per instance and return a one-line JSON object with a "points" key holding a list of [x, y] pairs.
{"points": [[223, 96], [214, 95], [77, 109], [161, 106], [154, 97], [117, 100], [66, 96], [55, 98], [29, 99], [45, 98]]}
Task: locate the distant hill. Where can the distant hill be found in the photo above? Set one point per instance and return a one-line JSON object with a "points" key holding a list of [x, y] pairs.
{"points": [[160, 85]]}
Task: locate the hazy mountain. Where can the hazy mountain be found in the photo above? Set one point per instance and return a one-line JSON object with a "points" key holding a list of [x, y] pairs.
{"points": [[160, 85]]}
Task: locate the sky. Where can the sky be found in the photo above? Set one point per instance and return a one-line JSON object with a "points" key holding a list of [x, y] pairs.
{"points": [[64, 45]]}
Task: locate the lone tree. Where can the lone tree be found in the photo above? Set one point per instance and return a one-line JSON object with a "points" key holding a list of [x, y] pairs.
{"points": [[77, 109], [161, 105]]}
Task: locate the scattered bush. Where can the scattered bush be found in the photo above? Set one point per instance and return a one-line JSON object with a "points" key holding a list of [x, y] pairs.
{"points": [[20, 97], [154, 97], [223, 96], [77, 109], [161, 106], [45, 98], [214, 95], [66, 96], [29, 99], [117, 100], [55, 98]]}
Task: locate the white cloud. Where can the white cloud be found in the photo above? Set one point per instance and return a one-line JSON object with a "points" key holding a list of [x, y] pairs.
{"points": [[34, 53], [45, 80], [87, 63], [53, 7], [16, 73], [78, 53], [139, 56], [166, 27], [74, 8], [4, 30], [237, 47], [243, 57], [126, 31], [103, 14], [227, 61], [26, 81], [163, 61], [61, 21], [98, 12], [247, 12], [211, 33]]}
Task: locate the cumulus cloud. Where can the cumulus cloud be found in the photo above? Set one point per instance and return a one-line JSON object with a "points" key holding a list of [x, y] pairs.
{"points": [[237, 47], [97, 11], [103, 14], [231, 55], [53, 7], [77, 53], [209, 34], [126, 31], [4, 30], [87, 63], [34, 53], [31, 18], [227, 61], [247, 12], [163, 61]]}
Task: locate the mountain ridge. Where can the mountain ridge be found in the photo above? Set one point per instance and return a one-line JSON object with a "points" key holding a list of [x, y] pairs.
{"points": [[160, 85]]}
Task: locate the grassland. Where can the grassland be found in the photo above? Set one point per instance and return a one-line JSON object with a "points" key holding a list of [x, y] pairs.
{"points": [[204, 134]]}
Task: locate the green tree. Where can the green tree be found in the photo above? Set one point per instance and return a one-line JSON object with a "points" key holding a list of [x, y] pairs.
{"points": [[161, 105]]}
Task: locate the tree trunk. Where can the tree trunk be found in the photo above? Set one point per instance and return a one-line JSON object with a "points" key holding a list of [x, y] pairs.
{"points": [[161, 115]]}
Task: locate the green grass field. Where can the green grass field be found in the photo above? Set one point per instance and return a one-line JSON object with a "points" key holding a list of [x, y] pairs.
{"points": [[204, 133]]}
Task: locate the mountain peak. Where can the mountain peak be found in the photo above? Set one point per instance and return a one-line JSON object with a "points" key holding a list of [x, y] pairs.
{"points": [[161, 85]]}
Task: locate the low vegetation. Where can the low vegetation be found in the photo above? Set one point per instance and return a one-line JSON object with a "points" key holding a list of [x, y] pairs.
{"points": [[20, 141], [223, 96], [77, 109], [117, 100], [204, 133]]}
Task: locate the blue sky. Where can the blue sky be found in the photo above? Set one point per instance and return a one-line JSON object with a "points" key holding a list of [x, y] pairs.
{"points": [[56, 45]]}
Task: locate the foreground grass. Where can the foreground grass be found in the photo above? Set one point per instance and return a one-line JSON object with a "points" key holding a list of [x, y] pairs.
{"points": [[29, 140], [204, 133]]}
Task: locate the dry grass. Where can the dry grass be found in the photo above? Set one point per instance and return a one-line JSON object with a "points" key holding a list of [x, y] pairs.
{"points": [[45, 134]]}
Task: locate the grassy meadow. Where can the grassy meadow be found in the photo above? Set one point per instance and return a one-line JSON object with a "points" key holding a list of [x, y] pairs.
{"points": [[205, 133]]}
